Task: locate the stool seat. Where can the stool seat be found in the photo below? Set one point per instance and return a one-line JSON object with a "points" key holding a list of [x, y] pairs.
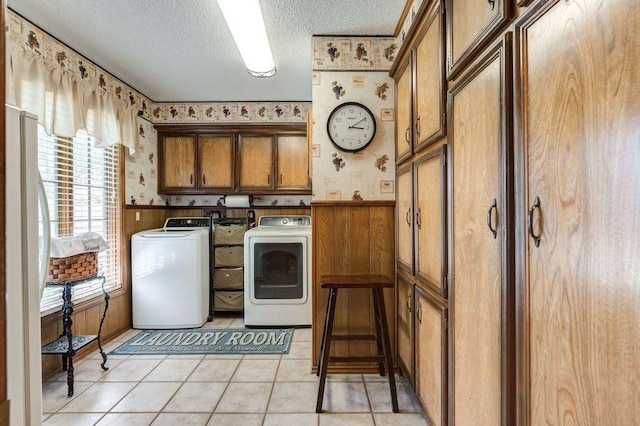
{"points": [[355, 281], [377, 283]]}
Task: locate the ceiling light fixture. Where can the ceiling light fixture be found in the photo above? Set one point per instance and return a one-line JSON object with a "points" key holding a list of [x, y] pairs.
{"points": [[244, 19]]}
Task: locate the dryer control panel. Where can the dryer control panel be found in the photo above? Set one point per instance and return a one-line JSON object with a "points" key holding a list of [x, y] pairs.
{"points": [[288, 221]]}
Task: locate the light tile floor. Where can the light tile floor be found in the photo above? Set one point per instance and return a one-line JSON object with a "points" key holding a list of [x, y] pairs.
{"points": [[221, 390]]}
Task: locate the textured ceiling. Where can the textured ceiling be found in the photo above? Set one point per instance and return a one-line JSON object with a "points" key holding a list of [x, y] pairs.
{"points": [[181, 50]]}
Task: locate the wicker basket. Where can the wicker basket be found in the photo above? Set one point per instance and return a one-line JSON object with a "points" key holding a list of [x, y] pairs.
{"points": [[73, 268]]}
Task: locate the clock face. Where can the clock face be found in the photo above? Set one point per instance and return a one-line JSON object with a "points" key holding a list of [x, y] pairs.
{"points": [[351, 126]]}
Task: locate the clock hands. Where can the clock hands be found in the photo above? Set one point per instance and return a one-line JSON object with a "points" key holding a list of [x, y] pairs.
{"points": [[353, 126]]}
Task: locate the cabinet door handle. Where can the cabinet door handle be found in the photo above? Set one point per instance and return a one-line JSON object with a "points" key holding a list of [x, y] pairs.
{"points": [[493, 207], [419, 218], [269, 179], [418, 126], [280, 178], [536, 206], [191, 179], [406, 135], [492, 4], [409, 303], [408, 216], [204, 179], [419, 313]]}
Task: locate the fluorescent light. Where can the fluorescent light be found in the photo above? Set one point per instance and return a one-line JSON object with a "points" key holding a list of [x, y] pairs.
{"points": [[244, 19]]}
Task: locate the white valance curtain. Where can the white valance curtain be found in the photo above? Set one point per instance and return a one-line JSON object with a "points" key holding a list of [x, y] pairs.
{"points": [[65, 103]]}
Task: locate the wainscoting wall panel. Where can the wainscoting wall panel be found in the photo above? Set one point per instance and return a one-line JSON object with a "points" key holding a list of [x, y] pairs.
{"points": [[352, 237]]}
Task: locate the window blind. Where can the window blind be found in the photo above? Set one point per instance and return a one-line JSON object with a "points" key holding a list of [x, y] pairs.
{"points": [[83, 190]]}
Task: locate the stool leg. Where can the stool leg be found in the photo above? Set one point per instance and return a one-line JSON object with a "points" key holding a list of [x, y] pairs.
{"points": [[379, 299], [326, 347], [324, 334], [378, 323]]}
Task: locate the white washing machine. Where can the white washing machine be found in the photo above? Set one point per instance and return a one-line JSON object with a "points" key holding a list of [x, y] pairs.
{"points": [[170, 274], [277, 272]]}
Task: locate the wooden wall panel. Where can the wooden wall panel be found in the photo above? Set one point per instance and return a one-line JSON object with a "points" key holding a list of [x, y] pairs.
{"points": [[352, 237]]}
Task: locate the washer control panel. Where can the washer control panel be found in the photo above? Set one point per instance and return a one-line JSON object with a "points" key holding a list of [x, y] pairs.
{"points": [[187, 222]]}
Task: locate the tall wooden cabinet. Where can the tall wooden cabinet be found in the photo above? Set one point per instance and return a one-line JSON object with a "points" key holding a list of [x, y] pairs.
{"points": [[481, 342], [421, 187], [578, 212], [543, 201]]}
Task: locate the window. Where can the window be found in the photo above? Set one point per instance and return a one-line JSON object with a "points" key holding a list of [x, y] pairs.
{"points": [[83, 189]]}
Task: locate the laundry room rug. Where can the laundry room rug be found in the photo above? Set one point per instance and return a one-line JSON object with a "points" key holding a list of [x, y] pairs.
{"points": [[207, 341]]}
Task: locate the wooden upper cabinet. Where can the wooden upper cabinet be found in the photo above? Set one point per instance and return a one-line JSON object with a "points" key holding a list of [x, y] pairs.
{"points": [[429, 98], [470, 26], [430, 220], [216, 162], [225, 159], [404, 126], [292, 162], [256, 162], [177, 162]]}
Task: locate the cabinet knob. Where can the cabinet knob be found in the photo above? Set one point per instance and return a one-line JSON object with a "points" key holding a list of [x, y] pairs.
{"points": [[493, 207], [534, 207]]}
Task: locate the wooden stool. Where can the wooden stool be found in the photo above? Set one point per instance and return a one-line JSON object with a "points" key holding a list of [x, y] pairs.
{"points": [[376, 283]]}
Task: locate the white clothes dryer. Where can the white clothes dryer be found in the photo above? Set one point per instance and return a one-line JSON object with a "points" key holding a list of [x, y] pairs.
{"points": [[277, 273]]}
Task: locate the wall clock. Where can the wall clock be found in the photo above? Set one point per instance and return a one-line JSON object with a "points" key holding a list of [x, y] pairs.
{"points": [[351, 126]]}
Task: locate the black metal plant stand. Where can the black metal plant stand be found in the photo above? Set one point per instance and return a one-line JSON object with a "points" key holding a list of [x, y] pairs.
{"points": [[67, 344]]}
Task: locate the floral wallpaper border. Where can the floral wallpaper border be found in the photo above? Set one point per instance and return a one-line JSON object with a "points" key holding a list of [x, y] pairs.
{"points": [[55, 53], [351, 53]]}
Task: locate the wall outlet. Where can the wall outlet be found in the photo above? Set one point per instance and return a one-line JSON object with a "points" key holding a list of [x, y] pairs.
{"points": [[137, 216]]}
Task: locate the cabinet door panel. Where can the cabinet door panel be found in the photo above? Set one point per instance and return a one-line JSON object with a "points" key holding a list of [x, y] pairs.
{"points": [[256, 162], [179, 162], [478, 119], [403, 115], [431, 357], [405, 327], [293, 162], [404, 189], [580, 156], [471, 23], [216, 162], [429, 194], [430, 81]]}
